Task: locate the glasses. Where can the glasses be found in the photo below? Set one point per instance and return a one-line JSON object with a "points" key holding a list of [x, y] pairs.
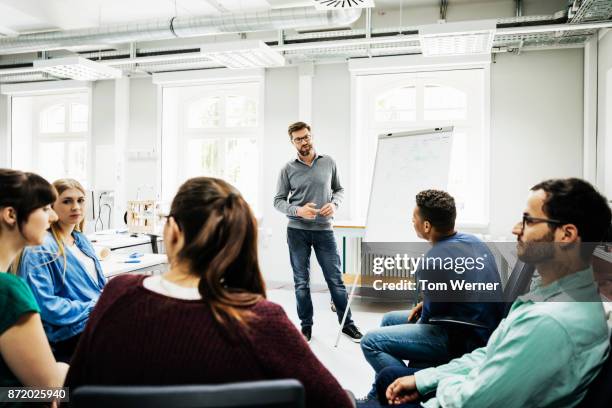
{"points": [[300, 140], [529, 220]]}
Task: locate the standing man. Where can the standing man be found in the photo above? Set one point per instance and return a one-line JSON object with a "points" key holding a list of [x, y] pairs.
{"points": [[309, 192]]}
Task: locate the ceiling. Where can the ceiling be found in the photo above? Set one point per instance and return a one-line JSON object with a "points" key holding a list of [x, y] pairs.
{"points": [[542, 24], [23, 16], [26, 16]]}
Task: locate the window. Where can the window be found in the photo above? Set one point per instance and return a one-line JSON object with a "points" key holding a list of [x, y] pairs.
{"points": [[412, 101], [56, 146], [216, 130], [397, 105]]}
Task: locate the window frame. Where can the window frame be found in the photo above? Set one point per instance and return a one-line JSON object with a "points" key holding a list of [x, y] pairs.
{"points": [[75, 93], [66, 137], [413, 65], [201, 89]]}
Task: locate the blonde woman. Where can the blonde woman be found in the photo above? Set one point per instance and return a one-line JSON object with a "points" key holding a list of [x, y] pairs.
{"points": [[64, 273], [25, 214]]}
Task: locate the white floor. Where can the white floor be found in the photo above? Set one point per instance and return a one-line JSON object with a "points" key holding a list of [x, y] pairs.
{"points": [[346, 362]]}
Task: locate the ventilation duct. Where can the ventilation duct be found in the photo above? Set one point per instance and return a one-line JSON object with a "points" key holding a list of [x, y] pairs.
{"points": [[180, 27]]}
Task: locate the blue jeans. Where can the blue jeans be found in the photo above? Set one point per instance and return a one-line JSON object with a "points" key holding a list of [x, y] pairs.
{"points": [[300, 244], [397, 340]]}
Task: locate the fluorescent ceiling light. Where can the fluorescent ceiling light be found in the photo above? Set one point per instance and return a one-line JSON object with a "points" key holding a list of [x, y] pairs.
{"points": [[463, 38], [340, 4], [243, 54], [77, 68]]}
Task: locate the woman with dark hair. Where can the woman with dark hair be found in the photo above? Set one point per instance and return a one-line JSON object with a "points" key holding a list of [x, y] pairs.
{"points": [[64, 273], [25, 214], [206, 320]]}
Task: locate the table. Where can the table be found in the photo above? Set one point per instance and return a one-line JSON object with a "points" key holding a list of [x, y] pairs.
{"points": [[124, 242], [350, 229], [356, 230], [149, 263]]}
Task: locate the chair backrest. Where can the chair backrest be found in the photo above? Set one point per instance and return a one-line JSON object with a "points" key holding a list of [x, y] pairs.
{"points": [[599, 394], [518, 283], [273, 393]]}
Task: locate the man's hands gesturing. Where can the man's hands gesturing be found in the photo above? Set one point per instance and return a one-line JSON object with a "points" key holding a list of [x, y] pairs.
{"points": [[308, 211]]}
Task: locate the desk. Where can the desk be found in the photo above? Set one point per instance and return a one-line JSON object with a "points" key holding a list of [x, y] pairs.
{"points": [[123, 242], [356, 230], [351, 229], [149, 263]]}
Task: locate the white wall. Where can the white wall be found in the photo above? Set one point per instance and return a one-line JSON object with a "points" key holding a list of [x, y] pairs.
{"points": [[536, 127], [102, 133], [4, 143], [281, 108], [604, 115], [142, 173]]}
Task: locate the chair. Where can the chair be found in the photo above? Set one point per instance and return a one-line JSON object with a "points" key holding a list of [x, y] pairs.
{"points": [[257, 394], [460, 332], [599, 394]]}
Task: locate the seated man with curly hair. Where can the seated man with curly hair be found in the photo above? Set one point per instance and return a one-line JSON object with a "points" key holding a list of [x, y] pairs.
{"points": [[406, 334]]}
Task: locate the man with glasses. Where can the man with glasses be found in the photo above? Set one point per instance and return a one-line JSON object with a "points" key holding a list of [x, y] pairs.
{"points": [[309, 192], [554, 340]]}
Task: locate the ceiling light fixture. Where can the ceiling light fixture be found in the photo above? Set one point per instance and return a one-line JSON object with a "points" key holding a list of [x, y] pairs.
{"points": [[439, 40], [79, 68], [243, 54]]}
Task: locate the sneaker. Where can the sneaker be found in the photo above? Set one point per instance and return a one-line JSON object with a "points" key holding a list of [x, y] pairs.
{"points": [[352, 332], [307, 332]]}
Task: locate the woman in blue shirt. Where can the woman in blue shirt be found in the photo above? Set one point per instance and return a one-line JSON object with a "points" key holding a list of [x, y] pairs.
{"points": [[64, 273]]}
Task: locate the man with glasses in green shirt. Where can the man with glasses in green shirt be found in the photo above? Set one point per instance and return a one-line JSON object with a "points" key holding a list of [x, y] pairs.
{"points": [[554, 340]]}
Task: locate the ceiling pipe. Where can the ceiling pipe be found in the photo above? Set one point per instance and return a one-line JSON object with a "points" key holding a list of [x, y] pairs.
{"points": [[519, 8], [181, 27]]}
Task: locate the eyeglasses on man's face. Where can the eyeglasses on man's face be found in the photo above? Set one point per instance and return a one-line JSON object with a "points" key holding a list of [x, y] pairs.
{"points": [[303, 139], [529, 220]]}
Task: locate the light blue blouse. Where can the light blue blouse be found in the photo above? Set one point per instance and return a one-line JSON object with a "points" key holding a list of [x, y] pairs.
{"points": [[65, 297]]}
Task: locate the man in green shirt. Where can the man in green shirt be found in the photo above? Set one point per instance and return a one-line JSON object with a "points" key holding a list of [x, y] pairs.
{"points": [[555, 338]]}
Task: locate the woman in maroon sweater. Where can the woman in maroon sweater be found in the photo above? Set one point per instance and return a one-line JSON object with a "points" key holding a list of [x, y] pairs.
{"points": [[206, 320]]}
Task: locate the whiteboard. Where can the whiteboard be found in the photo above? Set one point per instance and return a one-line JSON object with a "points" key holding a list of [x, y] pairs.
{"points": [[406, 163]]}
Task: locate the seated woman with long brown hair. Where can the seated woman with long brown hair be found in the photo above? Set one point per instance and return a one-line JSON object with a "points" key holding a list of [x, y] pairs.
{"points": [[25, 214], [206, 320]]}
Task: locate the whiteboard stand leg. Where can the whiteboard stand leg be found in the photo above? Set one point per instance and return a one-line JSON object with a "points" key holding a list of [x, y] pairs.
{"points": [[348, 306]]}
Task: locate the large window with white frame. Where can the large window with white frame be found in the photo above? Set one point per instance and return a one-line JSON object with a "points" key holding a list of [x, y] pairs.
{"points": [[50, 135], [420, 100], [213, 130]]}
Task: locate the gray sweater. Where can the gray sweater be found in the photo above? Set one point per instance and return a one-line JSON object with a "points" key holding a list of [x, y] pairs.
{"points": [[299, 184]]}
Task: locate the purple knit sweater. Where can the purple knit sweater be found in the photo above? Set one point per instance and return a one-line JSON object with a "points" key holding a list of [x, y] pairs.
{"points": [[138, 337]]}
